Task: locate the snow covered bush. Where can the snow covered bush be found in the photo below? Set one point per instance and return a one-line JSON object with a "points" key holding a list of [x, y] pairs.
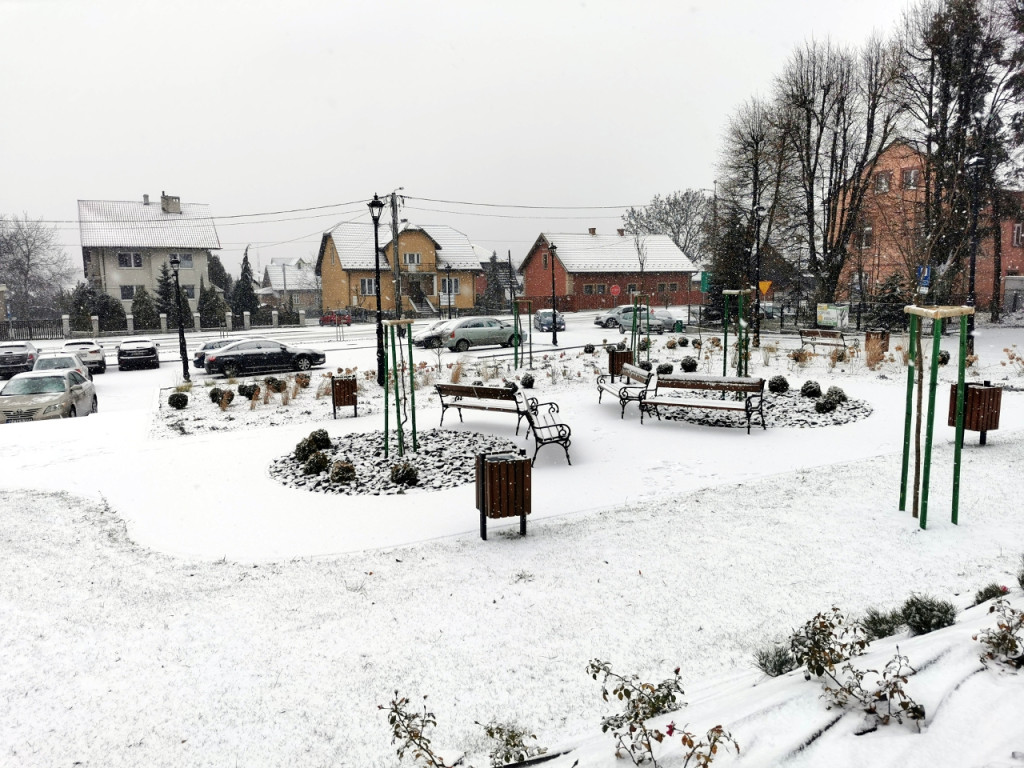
{"points": [[409, 730], [316, 463], [225, 398], [620, 346], [302, 379], [404, 474], [178, 400], [1005, 642], [665, 368], [943, 357], [1020, 573], [320, 439], [799, 356], [989, 592], [647, 365], [778, 384], [527, 381], [810, 389], [249, 391], [688, 364], [644, 344], [774, 660], [343, 472], [924, 614], [826, 405], [588, 349], [215, 394], [683, 341], [826, 641], [304, 449], [671, 344], [878, 624], [509, 743], [837, 394]]}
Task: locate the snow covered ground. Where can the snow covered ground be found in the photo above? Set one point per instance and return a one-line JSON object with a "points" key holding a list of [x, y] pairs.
{"points": [[167, 602]]}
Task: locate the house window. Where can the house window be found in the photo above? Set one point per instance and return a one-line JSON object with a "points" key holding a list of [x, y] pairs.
{"points": [[661, 287], [866, 236], [545, 261], [630, 288], [911, 178], [367, 286], [185, 259], [127, 292], [882, 182], [449, 285], [1018, 235], [600, 289], [411, 258], [129, 261], [189, 291], [673, 287], [588, 290]]}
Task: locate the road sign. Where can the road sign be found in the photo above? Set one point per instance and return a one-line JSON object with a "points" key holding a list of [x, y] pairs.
{"points": [[924, 276], [765, 286], [705, 281], [616, 290]]}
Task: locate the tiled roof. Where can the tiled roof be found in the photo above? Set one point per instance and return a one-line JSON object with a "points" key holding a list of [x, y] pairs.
{"points": [[125, 224], [283, 277], [617, 253]]}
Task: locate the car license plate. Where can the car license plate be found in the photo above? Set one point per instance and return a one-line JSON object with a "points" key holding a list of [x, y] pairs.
{"points": [[19, 419]]}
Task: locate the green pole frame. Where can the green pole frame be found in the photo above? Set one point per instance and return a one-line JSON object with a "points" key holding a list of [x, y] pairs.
{"points": [[908, 418], [385, 402], [515, 339], [398, 397], [958, 447], [412, 391], [930, 430], [725, 334], [740, 336]]}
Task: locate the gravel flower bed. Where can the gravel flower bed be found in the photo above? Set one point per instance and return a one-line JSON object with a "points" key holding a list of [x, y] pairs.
{"points": [[783, 409], [441, 461]]}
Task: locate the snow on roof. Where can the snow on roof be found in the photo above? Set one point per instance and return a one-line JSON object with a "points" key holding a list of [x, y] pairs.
{"points": [[285, 277], [130, 224], [354, 243], [453, 246], [617, 253]]}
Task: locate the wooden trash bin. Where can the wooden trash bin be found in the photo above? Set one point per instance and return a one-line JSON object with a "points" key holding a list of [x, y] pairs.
{"points": [[617, 358], [343, 393], [982, 403], [502, 488]]}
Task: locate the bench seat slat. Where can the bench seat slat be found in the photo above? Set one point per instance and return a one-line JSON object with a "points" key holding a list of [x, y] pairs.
{"points": [[717, 405]]}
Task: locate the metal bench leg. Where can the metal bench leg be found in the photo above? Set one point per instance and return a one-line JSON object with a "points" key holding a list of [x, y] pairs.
{"points": [[443, 409]]}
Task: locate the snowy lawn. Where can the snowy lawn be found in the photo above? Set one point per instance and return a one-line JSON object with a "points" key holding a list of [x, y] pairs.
{"points": [[167, 602]]}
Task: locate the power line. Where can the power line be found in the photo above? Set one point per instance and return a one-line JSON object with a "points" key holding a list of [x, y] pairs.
{"points": [[509, 215], [531, 207]]}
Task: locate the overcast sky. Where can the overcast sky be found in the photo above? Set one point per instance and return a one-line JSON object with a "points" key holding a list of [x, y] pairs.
{"points": [[256, 107]]}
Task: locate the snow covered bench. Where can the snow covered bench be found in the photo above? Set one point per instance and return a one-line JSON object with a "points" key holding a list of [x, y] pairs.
{"points": [[546, 429], [752, 389], [627, 386], [479, 398], [822, 337]]}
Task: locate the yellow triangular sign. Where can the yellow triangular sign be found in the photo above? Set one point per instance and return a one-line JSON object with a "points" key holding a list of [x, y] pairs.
{"points": [[765, 286]]}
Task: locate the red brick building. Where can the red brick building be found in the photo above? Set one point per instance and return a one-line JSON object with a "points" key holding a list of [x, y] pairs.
{"points": [[593, 271]]}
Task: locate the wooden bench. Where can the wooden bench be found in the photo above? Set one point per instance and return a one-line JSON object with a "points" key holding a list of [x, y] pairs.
{"points": [[627, 386], [752, 388], [479, 398], [821, 336], [546, 429]]}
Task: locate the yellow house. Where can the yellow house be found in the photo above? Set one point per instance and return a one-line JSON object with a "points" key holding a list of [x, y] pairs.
{"points": [[436, 268]]}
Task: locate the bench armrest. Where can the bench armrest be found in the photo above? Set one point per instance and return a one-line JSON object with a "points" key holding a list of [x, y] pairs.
{"points": [[535, 406]]}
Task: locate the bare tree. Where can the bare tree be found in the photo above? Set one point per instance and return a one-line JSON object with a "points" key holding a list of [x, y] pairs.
{"points": [[640, 245], [680, 215], [32, 265]]}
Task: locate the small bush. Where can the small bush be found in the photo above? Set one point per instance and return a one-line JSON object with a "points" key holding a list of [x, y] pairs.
{"points": [[989, 592], [778, 384], [837, 394], [527, 381], [620, 346], [799, 356], [316, 463], [943, 357], [774, 660], [925, 614], [837, 356], [275, 385], [1020, 573], [304, 449], [611, 348], [671, 344], [302, 379], [225, 398], [320, 439], [878, 624], [588, 348], [215, 394], [826, 641], [644, 344], [683, 341], [404, 474], [647, 365], [509, 743], [825, 405], [688, 364], [810, 389], [178, 400], [665, 368], [249, 391], [1005, 643], [343, 472]]}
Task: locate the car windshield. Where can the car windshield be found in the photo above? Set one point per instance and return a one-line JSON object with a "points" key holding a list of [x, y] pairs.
{"points": [[53, 363], [34, 385]]}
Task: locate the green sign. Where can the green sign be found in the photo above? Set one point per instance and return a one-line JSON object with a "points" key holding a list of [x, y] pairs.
{"points": [[705, 282]]}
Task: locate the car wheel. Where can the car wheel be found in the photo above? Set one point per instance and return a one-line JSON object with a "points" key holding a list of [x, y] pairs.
{"points": [[95, 405], [302, 363], [511, 341], [461, 345], [622, 329], [435, 344], [72, 413], [103, 368], [610, 323], [231, 370]]}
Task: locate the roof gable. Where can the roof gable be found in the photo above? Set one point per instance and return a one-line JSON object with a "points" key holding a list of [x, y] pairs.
{"points": [[128, 224], [614, 253]]}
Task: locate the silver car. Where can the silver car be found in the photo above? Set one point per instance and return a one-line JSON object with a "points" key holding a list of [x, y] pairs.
{"points": [[91, 352], [478, 331], [39, 395], [58, 361]]}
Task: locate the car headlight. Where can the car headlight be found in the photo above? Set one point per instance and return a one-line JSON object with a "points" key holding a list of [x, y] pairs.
{"points": [[52, 408]]}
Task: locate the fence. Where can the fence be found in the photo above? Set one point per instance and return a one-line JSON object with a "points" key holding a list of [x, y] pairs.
{"points": [[25, 330]]}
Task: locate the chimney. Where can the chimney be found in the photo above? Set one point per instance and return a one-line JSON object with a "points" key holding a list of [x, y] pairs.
{"points": [[593, 230], [622, 232], [169, 203], [145, 199]]}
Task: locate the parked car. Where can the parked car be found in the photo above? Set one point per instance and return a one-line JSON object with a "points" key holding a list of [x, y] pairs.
{"points": [[669, 319], [478, 331], [432, 336], [39, 395], [199, 358], [137, 353], [542, 320], [91, 352], [258, 355], [611, 317], [59, 361], [622, 317], [335, 317], [17, 357]]}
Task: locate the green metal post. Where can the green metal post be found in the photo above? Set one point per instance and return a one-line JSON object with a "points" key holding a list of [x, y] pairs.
{"points": [[515, 339], [398, 397], [929, 432], [385, 359], [725, 334], [740, 334], [910, 411], [959, 444], [412, 392]]}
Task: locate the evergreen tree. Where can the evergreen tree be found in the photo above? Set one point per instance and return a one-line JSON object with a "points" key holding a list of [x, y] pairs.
{"points": [[495, 299], [887, 304], [165, 295], [84, 301], [144, 310], [211, 311], [243, 298], [218, 275]]}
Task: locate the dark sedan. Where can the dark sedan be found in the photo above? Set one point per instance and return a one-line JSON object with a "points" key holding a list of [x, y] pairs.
{"points": [[199, 358], [261, 355]]}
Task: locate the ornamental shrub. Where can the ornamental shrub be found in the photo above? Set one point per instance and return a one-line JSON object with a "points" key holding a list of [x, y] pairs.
{"points": [[774, 660], [620, 346], [588, 348], [320, 439], [302, 379], [644, 344], [989, 592], [249, 391], [688, 364], [178, 400], [683, 341], [923, 614], [878, 624], [671, 344], [810, 389], [215, 394], [943, 357], [275, 385], [1020, 573], [665, 368], [226, 397], [316, 463], [404, 474], [610, 348], [778, 384], [527, 381], [837, 394], [304, 449], [826, 405], [647, 365], [343, 472]]}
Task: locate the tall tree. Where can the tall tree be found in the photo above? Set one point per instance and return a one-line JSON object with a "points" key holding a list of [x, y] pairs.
{"points": [[165, 302], [680, 215], [494, 294], [144, 310], [83, 302], [211, 309], [243, 299], [32, 265], [218, 275]]}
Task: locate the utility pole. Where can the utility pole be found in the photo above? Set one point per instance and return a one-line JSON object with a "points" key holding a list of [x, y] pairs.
{"points": [[511, 285], [394, 255]]}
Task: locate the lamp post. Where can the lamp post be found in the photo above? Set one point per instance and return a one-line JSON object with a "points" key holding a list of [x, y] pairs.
{"points": [[175, 266], [553, 250], [448, 289], [975, 164], [376, 207], [758, 218]]}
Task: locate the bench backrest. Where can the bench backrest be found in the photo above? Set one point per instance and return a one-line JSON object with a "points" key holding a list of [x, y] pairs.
{"points": [[820, 333], [635, 373], [714, 383], [476, 391]]}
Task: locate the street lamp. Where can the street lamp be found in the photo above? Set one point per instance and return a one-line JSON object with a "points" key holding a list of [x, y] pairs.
{"points": [[553, 250], [448, 289], [376, 207], [175, 266], [758, 218]]}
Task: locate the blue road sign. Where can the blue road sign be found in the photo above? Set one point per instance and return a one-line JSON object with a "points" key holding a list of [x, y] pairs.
{"points": [[924, 276]]}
